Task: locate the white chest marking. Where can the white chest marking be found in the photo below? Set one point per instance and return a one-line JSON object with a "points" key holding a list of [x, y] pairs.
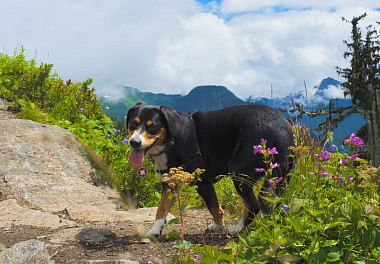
{"points": [[160, 163]]}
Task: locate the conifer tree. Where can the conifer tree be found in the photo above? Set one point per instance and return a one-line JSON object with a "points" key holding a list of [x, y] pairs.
{"points": [[362, 79]]}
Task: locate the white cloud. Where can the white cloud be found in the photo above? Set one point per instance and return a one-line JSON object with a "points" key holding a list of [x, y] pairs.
{"points": [[334, 92], [173, 45]]}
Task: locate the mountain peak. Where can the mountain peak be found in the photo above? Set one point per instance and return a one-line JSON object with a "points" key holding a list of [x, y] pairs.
{"points": [[326, 85], [209, 89], [207, 98]]}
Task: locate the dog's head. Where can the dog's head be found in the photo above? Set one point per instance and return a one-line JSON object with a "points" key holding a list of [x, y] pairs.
{"points": [[150, 129]]}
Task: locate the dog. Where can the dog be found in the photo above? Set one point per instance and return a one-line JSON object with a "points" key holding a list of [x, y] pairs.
{"points": [[221, 142]]}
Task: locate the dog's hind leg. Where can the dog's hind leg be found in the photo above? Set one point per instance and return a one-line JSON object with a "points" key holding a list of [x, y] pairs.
{"points": [[252, 207], [207, 192], [162, 211]]}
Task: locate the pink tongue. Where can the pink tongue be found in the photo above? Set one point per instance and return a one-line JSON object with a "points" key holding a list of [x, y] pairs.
{"points": [[136, 157]]}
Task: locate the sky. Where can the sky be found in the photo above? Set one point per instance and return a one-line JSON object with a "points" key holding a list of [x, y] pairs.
{"points": [[171, 46]]}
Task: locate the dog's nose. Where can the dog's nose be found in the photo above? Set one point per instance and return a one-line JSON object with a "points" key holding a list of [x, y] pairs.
{"points": [[135, 143]]}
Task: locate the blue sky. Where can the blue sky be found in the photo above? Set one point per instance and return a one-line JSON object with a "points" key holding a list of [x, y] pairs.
{"points": [[172, 46]]}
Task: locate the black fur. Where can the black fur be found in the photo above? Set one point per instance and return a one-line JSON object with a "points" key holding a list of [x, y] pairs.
{"points": [[221, 142]]}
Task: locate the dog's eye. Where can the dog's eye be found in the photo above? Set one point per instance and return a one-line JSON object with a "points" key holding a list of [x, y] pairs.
{"points": [[153, 128]]}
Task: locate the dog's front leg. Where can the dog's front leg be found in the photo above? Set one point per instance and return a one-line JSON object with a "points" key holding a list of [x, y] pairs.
{"points": [[163, 209]]}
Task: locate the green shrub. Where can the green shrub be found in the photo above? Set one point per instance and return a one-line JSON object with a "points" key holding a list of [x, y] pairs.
{"points": [[40, 95], [328, 213]]}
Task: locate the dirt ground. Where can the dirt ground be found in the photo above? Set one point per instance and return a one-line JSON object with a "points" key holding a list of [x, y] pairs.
{"points": [[119, 241]]}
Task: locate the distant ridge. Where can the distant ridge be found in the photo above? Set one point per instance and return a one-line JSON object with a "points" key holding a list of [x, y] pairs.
{"points": [[207, 98], [201, 98], [213, 97]]}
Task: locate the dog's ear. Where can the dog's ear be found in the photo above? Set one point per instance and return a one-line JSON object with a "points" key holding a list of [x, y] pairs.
{"points": [[131, 110], [173, 119]]}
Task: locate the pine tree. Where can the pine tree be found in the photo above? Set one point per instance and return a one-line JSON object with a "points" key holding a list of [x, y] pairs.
{"points": [[363, 80]]}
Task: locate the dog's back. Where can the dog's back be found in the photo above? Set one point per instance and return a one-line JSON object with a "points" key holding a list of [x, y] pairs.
{"points": [[227, 136]]}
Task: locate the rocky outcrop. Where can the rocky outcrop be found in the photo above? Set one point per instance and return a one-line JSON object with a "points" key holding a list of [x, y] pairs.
{"points": [[46, 167], [47, 182]]}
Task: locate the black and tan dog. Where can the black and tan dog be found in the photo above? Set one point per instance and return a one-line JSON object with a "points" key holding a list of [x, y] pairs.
{"points": [[221, 142]]}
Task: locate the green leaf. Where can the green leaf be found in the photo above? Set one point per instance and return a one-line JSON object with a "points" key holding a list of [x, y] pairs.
{"points": [[173, 233], [186, 207], [212, 255], [272, 200], [173, 221], [332, 256], [329, 243], [183, 245]]}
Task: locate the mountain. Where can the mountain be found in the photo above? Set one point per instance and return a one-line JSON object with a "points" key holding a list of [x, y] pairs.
{"points": [[207, 98], [211, 97], [118, 105], [201, 98], [311, 99]]}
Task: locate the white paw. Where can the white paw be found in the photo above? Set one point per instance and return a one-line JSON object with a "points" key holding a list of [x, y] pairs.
{"points": [[156, 229], [214, 227], [232, 230]]}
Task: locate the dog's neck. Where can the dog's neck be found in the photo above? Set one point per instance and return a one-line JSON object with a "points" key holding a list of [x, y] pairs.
{"points": [[180, 151]]}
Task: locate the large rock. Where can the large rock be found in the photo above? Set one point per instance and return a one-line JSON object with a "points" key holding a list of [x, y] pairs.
{"points": [[45, 167], [12, 214], [26, 252]]}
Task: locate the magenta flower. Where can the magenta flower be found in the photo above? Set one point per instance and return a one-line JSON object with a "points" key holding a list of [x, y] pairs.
{"points": [[259, 169], [340, 180], [325, 155], [272, 151], [279, 179], [343, 161], [271, 184], [263, 141], [257, 149], [350, 178], [353, 157], [276, 165], [357, 141]]}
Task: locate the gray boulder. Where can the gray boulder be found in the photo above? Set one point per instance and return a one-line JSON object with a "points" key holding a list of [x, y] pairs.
{"points": [[45, 167], [26, 252]]}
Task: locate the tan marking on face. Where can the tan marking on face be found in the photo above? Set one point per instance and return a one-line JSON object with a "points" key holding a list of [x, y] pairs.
{"points": [[154, 140], [137, 120], [149, 122]]}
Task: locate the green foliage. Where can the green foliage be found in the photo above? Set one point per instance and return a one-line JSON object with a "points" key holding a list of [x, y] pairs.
{"points": [[40, 95], [229, 199], [328, 213]]}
